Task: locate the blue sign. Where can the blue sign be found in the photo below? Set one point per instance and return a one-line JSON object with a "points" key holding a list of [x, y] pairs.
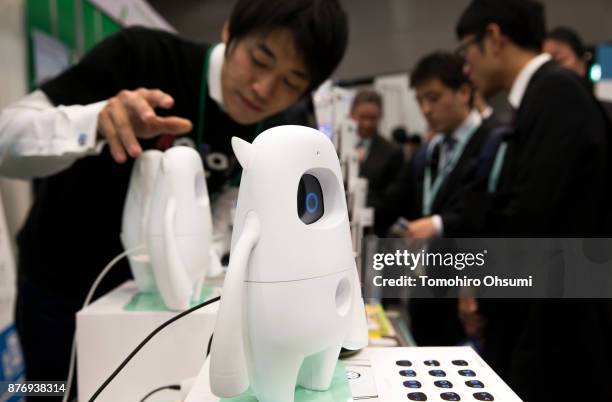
{"points": [[12, 367], [603, 57]]}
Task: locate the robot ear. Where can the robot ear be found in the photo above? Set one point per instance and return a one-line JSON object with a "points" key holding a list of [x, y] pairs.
{"points": [[242, 149]]}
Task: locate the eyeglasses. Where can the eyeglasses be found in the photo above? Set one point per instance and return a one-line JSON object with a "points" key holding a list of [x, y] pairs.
{"points": [[461, 50]]}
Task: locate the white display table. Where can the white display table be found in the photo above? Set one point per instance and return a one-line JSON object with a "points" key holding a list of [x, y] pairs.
{"points": [[107, 333]]}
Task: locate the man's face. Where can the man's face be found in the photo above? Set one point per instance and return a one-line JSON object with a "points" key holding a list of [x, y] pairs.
{"points": [[444, 108], [481, 65], [563, 54], [262, 76], [367, 115]]}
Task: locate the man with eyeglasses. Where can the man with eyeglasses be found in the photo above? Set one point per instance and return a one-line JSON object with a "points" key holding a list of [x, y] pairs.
{"points": [[554, 181]]}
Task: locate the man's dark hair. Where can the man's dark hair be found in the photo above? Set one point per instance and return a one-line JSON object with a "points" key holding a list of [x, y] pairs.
{"points": [[444, 66], [570, 38], [520, 20], [367, 96], [320, 29]]}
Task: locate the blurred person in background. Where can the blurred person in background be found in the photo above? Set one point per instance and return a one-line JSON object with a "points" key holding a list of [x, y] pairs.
{"points": [[553, 181]]}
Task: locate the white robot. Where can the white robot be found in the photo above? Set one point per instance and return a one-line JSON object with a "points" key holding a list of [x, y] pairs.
{"points": [[291, 297], [135, 220], [167, 211]]}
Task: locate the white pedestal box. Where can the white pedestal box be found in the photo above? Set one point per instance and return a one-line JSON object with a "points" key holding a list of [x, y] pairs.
{"points": [[107, 333]]}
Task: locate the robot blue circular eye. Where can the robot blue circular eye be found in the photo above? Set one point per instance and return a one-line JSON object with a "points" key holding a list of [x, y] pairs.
{"points": [[312, 203]]}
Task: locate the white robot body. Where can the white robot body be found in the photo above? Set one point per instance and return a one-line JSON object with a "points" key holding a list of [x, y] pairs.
{"points": [[180, 227], [293, 336], [291, 297], [135, 220]]}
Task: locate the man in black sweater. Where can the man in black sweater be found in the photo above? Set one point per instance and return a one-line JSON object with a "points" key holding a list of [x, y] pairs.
{"points": [[553, 181], [141, 89]]}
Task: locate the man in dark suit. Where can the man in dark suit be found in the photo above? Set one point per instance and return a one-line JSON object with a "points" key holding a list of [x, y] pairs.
{"points": [[567, 48], [428, 190], [379, 159], [554, 182]]}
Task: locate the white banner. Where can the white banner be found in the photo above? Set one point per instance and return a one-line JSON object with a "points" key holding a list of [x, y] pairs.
{"points": [[400, 105]]}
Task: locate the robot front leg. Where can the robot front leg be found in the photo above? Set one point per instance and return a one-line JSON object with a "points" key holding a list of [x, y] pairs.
{"points": [[317, 370], [275, 374]]}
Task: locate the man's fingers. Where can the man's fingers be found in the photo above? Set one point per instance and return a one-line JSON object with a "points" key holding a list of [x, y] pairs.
{"points": [[156, 98], [123, 127], [107, 130], [468, 305], [471, 304], [170, 125], [138, 106]]}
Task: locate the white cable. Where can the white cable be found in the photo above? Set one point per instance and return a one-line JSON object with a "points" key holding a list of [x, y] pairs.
{"points": [[92, 290]]}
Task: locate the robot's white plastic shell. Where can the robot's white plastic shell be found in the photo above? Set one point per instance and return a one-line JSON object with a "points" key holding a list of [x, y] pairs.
{"points": [[135, 220], [180, 227], [269, 186], [291, 298]]}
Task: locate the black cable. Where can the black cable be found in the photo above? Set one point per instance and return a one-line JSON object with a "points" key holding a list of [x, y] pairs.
{"points": [[209, 344], [147, 339], [175, 387]]}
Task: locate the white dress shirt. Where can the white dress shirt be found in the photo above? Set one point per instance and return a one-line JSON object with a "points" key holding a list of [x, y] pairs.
{"points": [[39, 139], [519, 86]]}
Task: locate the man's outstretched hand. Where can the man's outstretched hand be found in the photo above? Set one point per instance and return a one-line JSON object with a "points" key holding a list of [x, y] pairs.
{"points": [[131, 115]]}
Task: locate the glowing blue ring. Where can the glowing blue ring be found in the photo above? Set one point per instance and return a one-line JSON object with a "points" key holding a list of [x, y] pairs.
{"points": [[309, 197]]}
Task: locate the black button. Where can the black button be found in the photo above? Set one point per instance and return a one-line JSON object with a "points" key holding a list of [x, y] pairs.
{"points": [[437, 373], [432, 363], [417, 396], [460, 363], [474, 384], [443, 384], [450, 396], [412, 384], [483, 396], [408, 373], [404, 363], [467, 373]]}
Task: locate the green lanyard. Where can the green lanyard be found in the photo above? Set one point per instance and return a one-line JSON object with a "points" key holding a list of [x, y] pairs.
{"points": [[497, 167], [431, 190], [203, 96]]}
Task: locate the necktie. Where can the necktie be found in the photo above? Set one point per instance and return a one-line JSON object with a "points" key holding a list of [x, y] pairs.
{"points": [[448, 144], [361, 151]]}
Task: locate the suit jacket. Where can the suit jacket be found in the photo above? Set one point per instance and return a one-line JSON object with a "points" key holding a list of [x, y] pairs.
{"points": [[554, 183], [434, 322], [405, 196], [555, 171], [380, 167]]}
